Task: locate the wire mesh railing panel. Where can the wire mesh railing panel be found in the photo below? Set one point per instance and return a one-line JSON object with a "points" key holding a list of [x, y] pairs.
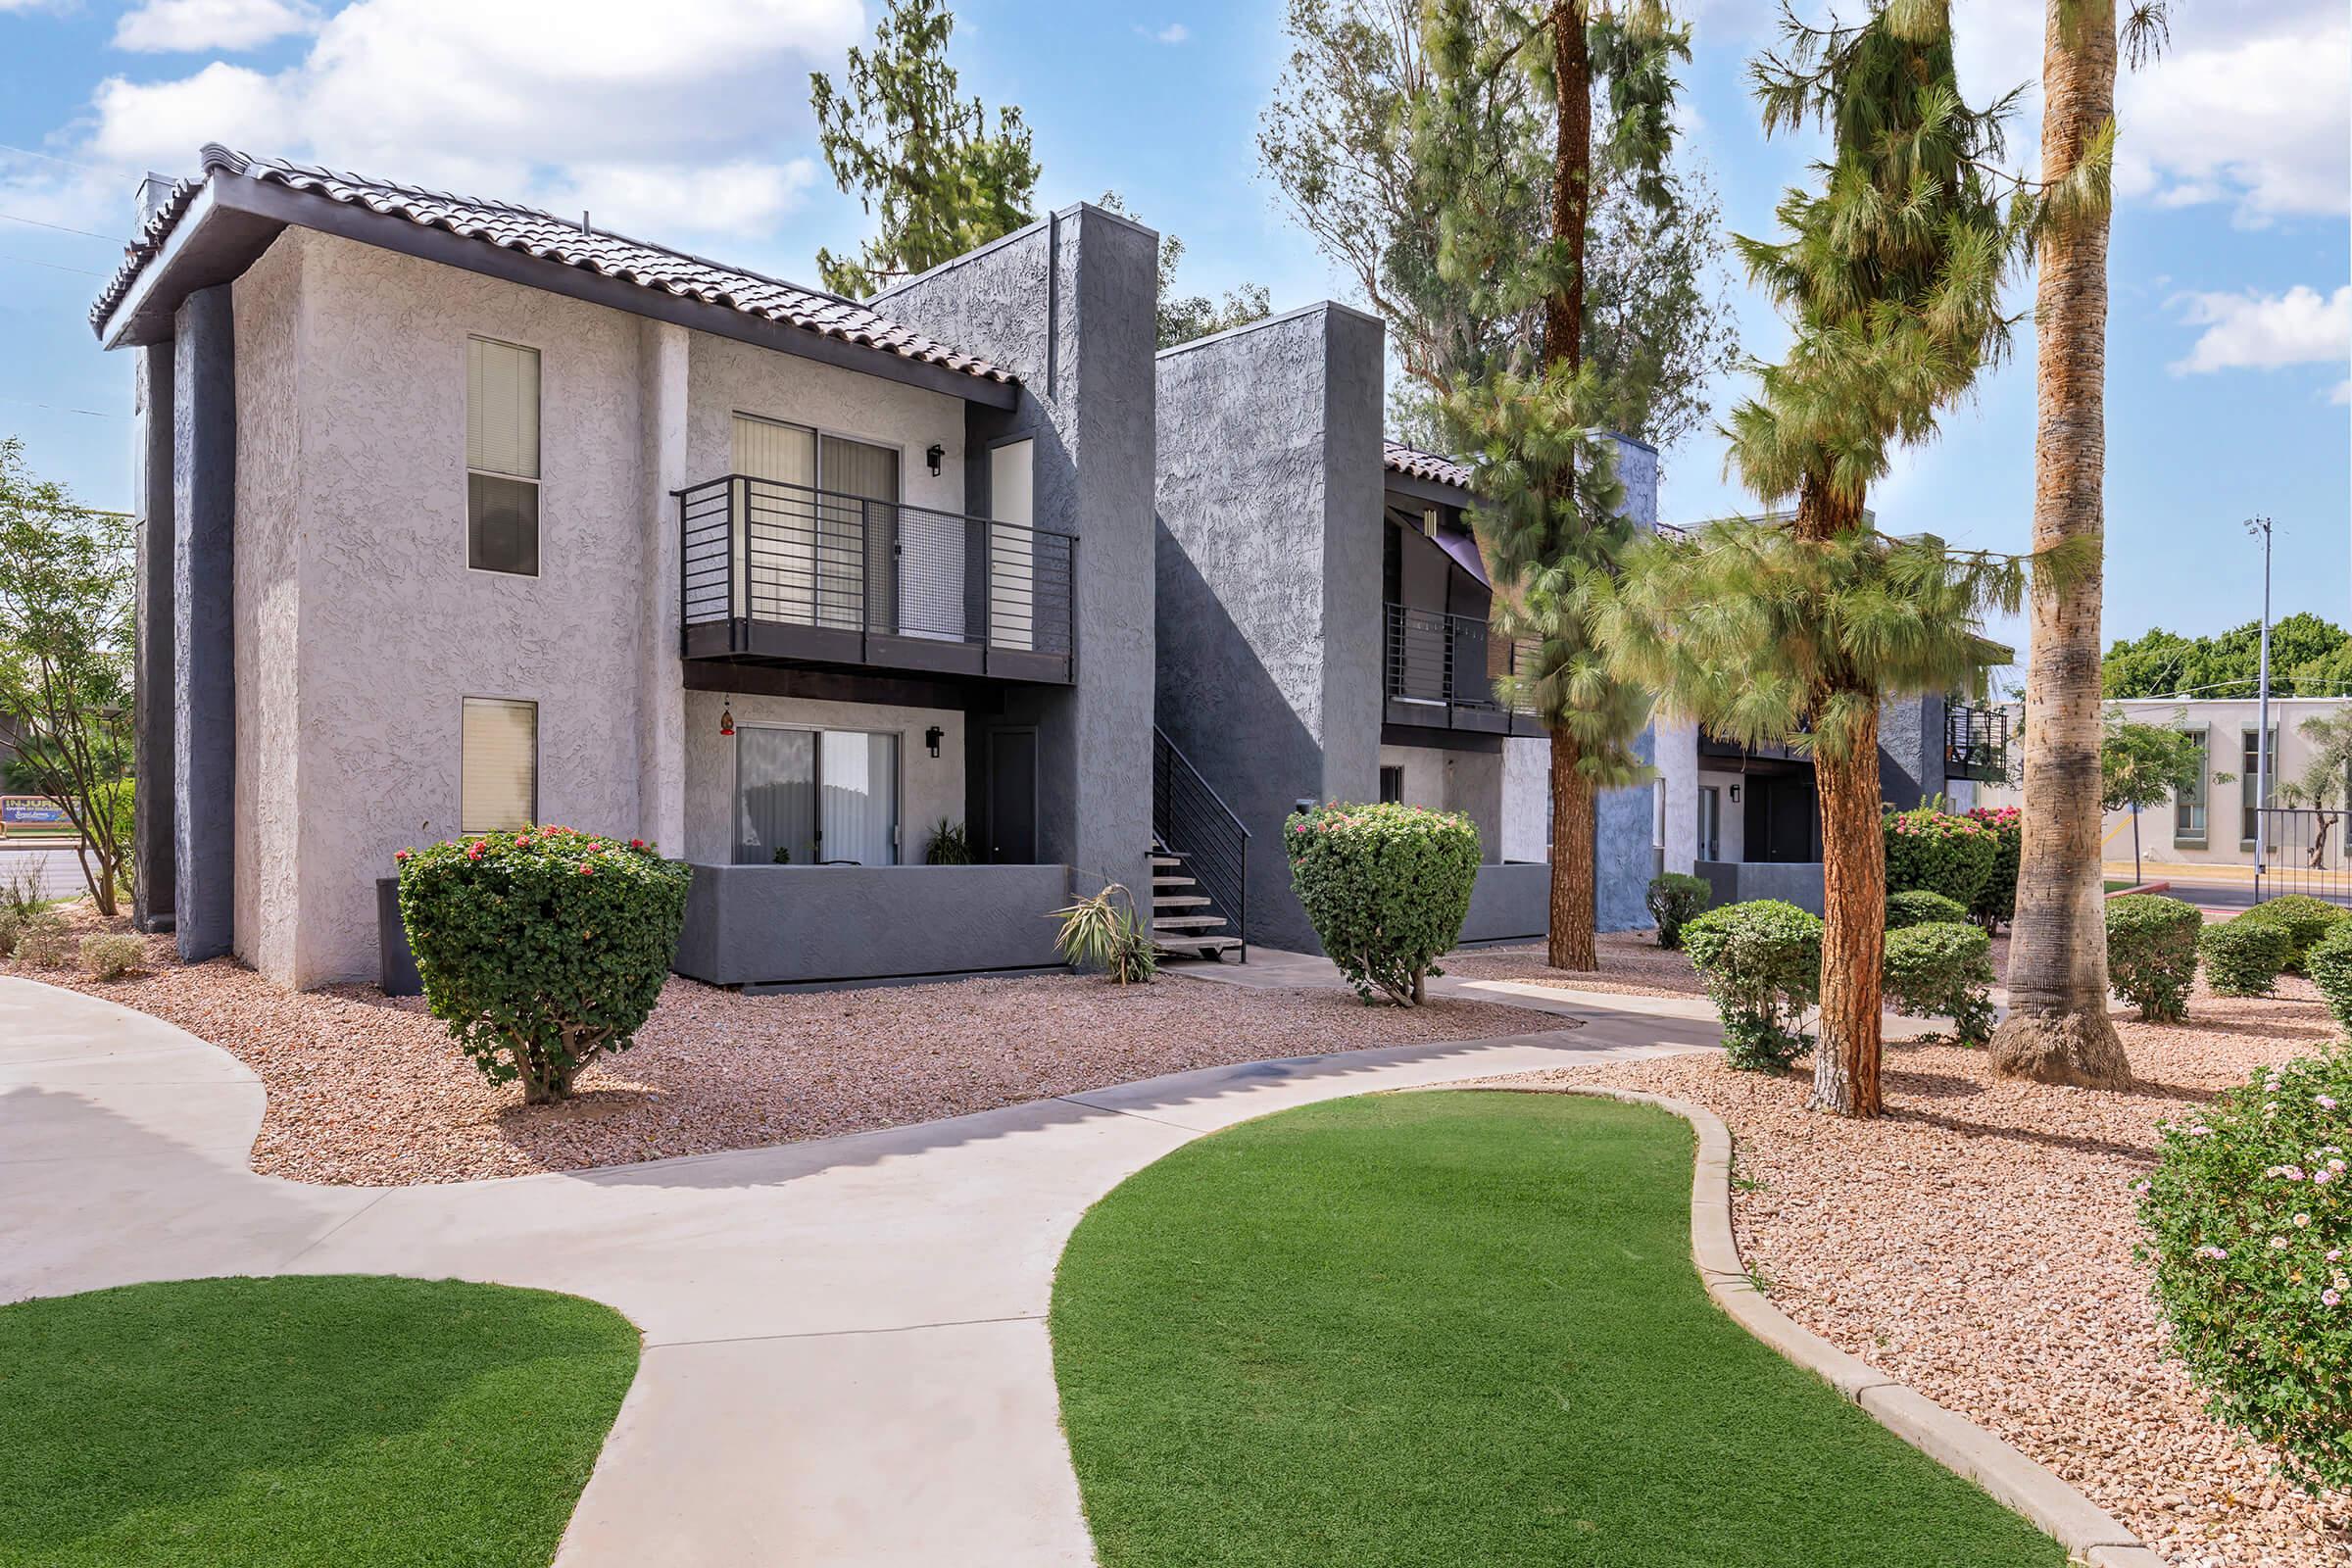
{"points": [[2303, 850]]}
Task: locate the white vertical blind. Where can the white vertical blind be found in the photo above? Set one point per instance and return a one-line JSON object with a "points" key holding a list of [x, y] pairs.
{"points": [[502, 408], [1011, 553], [860, 773], [783, 583], [775, 796], [498, 789], [855, 540]]}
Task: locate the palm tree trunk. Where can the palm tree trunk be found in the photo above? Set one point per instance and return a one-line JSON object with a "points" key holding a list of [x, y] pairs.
{"points": [[2058, 1030], [1573, 802], [1853, 938]]}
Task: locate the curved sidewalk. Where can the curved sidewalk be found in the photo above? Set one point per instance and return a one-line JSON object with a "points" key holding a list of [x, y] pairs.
{"points": [[846, 1358]]}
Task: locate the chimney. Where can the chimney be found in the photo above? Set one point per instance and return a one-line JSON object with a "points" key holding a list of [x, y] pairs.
{"points": [[154, 191]]}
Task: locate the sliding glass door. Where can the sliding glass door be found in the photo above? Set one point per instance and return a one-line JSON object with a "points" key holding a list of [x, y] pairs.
{"points": [[807, 797]]}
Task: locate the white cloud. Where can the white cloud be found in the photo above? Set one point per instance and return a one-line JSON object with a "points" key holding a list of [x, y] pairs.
{"points": [[1173, 32], [672, 121], [2265, 331], [190, 26], [2342, 393]]}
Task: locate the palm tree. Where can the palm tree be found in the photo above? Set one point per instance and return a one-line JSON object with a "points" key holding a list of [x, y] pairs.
{"points": [[1795, 628], [2058, 1030]]}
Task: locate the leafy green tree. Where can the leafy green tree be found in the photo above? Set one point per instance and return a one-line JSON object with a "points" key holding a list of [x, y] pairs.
{"points": [[899, 137], [65, 662], [2144, 764], [1795, 628], [2310, 656], [1353, 141], [2324, 786], [1183, 317]]}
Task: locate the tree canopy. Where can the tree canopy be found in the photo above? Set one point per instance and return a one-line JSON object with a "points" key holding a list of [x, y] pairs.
{"points": [[2145, 764], [2310, 656]]}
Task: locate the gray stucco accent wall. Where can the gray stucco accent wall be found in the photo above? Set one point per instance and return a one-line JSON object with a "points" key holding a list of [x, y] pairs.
{"points": [[1269, 575], [1625, 851], [204, 478], [152, 729], [1910, 750], [1068, 303]]}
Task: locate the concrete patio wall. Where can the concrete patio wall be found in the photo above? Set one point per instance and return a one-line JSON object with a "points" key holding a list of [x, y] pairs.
{"points": [[791, 924], [1797, 882], [1510, 902]]}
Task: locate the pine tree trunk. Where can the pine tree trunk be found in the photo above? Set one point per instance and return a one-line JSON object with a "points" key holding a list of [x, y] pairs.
{"points": [[1572, 823], [2058, 1030], [1854, 939]]}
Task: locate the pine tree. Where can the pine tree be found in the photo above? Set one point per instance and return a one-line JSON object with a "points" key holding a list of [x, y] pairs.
{"points": [[899, 138], [1794, 629]]}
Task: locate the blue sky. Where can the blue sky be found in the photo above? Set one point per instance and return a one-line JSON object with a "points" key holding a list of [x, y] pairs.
{"points": [[688, 123]]}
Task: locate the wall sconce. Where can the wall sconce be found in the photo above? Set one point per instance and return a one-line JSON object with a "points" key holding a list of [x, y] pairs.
{"points": [[1735, 793], [933, 458], [931, 738], [726, 718]]}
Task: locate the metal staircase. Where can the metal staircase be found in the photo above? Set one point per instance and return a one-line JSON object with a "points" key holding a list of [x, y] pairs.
{"points": [[1199, 863]]}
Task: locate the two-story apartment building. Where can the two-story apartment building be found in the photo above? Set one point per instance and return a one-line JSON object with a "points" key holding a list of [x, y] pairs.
{"points": [[455, 516]]}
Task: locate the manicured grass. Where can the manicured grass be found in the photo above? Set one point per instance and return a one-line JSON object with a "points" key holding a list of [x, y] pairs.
{"points": [[1462, 1328], [343, 1420]]}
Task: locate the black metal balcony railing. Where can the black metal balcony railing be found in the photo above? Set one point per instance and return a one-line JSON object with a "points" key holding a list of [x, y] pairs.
{"points": [[1976, 742], [769, 569], [1449, 664]]}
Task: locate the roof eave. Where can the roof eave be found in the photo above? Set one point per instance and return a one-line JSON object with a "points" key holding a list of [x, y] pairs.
{"points": [[234, 217], [1431, 492]]}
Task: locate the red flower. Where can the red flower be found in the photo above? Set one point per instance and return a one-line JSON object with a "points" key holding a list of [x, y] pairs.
{"points": [[522, 841], [584, 868], [636, 844], [400, 854]]}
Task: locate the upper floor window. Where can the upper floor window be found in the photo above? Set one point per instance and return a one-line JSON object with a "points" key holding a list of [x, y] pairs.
{"points": [[2189, 802], [2254, 756], [501, 457]]}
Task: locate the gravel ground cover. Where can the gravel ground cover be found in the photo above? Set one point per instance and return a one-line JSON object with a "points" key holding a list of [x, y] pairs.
{"points": [[368, 1090], [1977, 1244], [1631, 963]]}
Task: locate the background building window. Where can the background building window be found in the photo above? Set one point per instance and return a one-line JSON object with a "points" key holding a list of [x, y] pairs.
{"points": [[498, 788], [2188, 804], [1710, 823], [2246, 784], [501, 457], [1391, 785]]}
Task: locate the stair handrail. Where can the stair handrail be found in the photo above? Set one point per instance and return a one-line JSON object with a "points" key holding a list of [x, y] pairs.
{"points": [[1233, 899], [1177, 752]]}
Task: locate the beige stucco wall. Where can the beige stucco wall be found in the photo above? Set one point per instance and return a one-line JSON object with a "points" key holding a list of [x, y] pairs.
{"points": [[361, 629], [1526, 798], [1469, 782], [929, 787]]}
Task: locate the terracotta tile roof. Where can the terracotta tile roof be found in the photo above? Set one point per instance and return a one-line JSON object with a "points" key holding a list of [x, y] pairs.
{"points": [[542, 235], [1416, 463]]}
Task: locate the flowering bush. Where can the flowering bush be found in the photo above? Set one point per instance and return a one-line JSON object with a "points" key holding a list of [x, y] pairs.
{"points": [[2242, 957], [2330, 961], [1672, 900], [2251, 1226], [2152, 953], [1995, 902], [1943, 970], [1761, 961], [541, 948], [1938, 851], [1918, 907], [1386, 887], [2304, 919]]}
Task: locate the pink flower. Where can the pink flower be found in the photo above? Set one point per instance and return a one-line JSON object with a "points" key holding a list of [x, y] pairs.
{"points": [[522, 841], [2327, 1101], [585, 868], [400, 854], [636, 844], [2328, 1298]]}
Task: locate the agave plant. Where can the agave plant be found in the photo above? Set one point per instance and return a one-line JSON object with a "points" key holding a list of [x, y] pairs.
{"points": [[1099, 933]]}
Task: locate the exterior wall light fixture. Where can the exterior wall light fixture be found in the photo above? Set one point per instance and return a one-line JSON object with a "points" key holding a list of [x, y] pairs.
{"points": [[934, 456], [931, 738]]}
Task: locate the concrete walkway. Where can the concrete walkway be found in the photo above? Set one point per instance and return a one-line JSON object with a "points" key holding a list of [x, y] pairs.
{"points": [[846, 1359]]}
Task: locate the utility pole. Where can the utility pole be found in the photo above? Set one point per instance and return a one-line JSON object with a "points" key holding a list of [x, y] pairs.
{"points": [[2262, 721]]}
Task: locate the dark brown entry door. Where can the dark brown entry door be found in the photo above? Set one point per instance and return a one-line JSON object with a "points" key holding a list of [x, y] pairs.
{"points": [[1012, 797]]}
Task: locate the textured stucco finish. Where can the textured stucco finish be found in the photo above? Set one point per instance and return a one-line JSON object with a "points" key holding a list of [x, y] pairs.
{"points": [[1448, 780], [152, 744], [929, 787], [1910, 750], [267, 587], [1676, 762], [1797, 882], [1269, 575], [788, 924], [1527, 798], [664, 354], [1509, 903], [204, 486], [1068, 303]]}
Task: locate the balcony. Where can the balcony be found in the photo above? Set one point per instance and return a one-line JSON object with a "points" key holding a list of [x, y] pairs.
{"points": [[1439, 673], [1976, 743], [781, 573]]}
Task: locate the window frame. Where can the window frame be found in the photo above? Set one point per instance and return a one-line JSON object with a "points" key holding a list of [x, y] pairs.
{"points": [[2185, 838], [1395, 770], [538, 756], [816, 765], [2247, 784], [468, 471]]}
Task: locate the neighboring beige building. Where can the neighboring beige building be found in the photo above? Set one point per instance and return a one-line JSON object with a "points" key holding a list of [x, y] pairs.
{"points": [[2215, 827]]}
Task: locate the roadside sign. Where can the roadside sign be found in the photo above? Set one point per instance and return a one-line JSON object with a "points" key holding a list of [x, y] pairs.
{"points": [[33, 814]]}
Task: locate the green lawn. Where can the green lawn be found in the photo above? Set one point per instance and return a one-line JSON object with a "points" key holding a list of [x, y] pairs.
{"points": [[350, 1421], [1462, 1328]]}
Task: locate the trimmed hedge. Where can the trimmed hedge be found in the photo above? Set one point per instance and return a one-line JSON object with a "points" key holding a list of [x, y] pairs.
{"points": [[1942, 969], [541, 949], [1675, 900], [1761, 961], [112, 954], [1995, 902], [2304, 919], [2252, 1226], [2242, 957], [1918, 907], [1386, 887], [1938, 851], [2153, 953], [2330, 961]]}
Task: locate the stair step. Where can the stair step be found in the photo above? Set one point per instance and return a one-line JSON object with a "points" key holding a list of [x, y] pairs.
{"points": [[1167, 859], [1182, 922], [1205, 946], [1180, 900], [1171, 881]]}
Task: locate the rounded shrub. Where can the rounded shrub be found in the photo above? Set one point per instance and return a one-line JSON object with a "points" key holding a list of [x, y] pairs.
{"points": [[1386, 887], [541, 948], [112, 954], [2152, 953], [2251, 1226], [2242, 957], [1995, 902], [2329, 962], [1939, 853], [2305, 919], [1674, 899], [1918, 907], [1761, 961], [1942, 969], [44, 939]]}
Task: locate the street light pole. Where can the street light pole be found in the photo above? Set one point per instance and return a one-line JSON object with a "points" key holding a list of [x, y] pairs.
{"points": [[2262, 721]]}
